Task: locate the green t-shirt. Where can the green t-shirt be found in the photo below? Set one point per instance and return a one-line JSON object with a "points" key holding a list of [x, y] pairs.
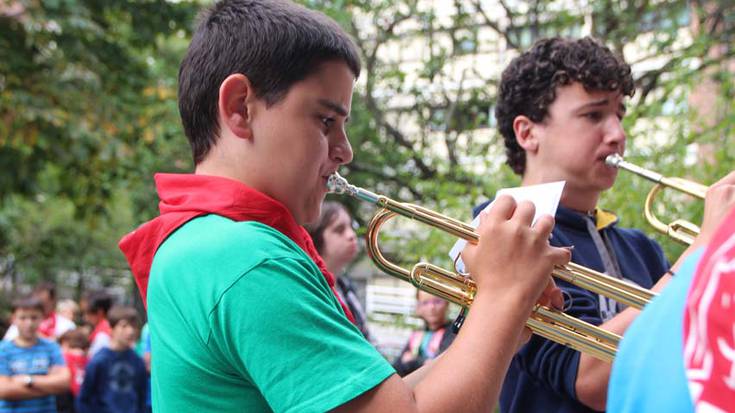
{"points": [[242, 320]]}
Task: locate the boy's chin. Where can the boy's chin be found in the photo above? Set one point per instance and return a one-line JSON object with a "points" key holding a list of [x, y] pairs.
{"points": [[126, 343]]}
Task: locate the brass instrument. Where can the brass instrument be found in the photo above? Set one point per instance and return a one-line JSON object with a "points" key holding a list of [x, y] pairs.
{"points": [[459, 289], [680, 230]]}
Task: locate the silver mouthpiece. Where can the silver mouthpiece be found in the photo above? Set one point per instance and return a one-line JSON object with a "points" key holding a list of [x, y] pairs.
{"points": [[338, 185], [614, 160]]}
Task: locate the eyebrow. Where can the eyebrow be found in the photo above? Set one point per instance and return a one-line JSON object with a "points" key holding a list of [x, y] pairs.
{"points": [[598, 103], [334, 106], [593, 104]]}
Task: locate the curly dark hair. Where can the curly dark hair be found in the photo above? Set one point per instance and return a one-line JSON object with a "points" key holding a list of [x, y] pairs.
{"points": [[528, 85]]}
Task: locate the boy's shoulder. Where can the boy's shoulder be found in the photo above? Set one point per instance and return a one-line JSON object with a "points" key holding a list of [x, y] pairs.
{"points": [[100, 357], [6, 345], [43, 344], [212, 237], [222, 230]]}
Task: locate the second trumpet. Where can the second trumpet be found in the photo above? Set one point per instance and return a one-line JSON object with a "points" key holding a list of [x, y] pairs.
{"points": [[680, 230]]}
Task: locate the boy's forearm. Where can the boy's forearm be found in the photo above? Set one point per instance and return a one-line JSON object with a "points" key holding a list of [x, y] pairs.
{"points": [[54, 383], [12, 389], [477, 360]]}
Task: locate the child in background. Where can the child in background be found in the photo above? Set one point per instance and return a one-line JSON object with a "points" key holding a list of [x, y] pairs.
{"points": [[95, 313], [32, 369], [74, 346], [115, 379], [69, 309], [428, 343]]}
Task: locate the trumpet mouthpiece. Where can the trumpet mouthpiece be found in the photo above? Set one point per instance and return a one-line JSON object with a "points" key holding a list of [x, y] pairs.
{"points": [[336, 184], [614, 160]]}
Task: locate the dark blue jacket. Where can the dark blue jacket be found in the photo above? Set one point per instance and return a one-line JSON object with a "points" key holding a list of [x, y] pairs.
{"points": [[114, 382], [542, 376]]}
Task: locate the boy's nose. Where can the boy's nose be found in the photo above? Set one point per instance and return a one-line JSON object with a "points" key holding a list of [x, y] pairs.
{"points": [[341, 150]]}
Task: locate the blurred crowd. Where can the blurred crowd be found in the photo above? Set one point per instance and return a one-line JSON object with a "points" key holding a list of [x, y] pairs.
{"points": [[60, 355], [94, 356]]}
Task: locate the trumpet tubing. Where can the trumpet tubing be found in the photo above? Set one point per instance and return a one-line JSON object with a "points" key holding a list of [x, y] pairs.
{"points": [[459, 289], [680, 230]]}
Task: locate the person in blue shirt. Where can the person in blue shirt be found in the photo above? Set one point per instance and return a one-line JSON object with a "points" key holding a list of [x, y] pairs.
{"points": [[116, 379], [560, 110], [684, 337], [32, 369]]}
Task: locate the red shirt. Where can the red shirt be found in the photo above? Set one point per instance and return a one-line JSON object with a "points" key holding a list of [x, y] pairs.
{"points": [[77, 362]]}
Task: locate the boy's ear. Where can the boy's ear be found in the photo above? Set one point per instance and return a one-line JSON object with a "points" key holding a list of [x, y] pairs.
{"points": [[236, 105], [524, 129]]}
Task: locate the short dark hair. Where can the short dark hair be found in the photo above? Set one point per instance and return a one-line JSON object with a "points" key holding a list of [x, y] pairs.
{"points": [[328, 213], [275, 43], [98, 300], [76, 338], [528, 85], [46, 286], [27, 303], [119, 313]]}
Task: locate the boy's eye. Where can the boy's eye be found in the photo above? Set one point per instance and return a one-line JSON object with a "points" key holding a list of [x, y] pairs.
{"points": [[327, 121], [595, 116]]}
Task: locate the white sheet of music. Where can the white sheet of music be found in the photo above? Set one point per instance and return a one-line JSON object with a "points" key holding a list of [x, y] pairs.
{"points": [[544, 196]]}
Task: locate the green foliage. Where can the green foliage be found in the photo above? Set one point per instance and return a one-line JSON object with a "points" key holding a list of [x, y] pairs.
{"points": [[449, 157], [88, 112]]}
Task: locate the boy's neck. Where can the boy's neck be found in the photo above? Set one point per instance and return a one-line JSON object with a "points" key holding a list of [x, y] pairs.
{"points": [[118, 347], [23, 342], [585, 203], [572, 198]]}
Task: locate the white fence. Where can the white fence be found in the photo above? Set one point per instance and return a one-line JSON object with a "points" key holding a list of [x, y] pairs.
{"points": [[391, 317]]}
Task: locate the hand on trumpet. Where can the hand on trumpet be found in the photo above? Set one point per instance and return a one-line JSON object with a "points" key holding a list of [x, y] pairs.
{"points": [[513, 260], [718, 202]]}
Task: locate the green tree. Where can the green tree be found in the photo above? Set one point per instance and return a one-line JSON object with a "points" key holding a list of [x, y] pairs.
{"points": [[87, 111], [424, 128]]}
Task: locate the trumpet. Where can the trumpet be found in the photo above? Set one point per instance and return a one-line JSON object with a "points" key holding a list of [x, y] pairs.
{"points": [[460, 289], [680, 230]]}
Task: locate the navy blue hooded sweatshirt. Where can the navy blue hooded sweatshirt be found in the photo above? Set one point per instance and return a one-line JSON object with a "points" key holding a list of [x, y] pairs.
{"points": [[541, 376]]}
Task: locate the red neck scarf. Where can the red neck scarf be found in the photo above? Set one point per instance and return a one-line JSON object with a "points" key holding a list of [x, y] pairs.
{"points": [[186, 196], [47, 328]]}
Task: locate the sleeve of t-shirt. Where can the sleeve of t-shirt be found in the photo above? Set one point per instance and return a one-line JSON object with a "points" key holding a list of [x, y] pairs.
{"points": [[651, 353], [4, 362], [284, 329], [57, 358], [147, 344]]}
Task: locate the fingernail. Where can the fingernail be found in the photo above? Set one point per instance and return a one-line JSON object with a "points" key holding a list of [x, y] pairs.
{"points": [[569, 247]]}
